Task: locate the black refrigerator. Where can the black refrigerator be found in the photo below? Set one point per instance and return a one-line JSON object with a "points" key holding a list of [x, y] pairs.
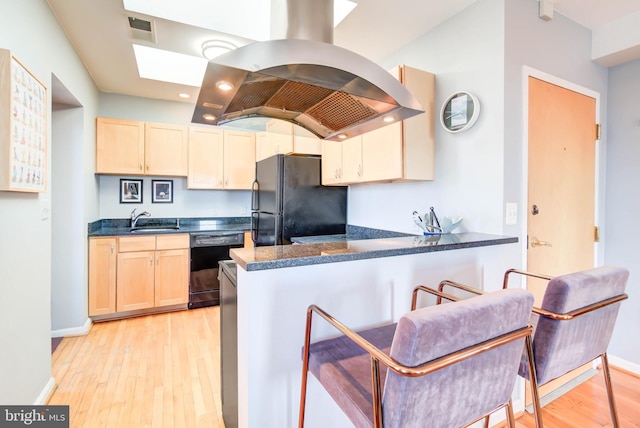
{"points": [[289, 200]]}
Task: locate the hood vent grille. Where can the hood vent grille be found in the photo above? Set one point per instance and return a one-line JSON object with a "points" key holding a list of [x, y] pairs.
{"points": [[340, 111]]}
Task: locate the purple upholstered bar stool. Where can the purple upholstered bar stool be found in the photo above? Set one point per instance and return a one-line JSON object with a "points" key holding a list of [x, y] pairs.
{"points": [[447, 365]]}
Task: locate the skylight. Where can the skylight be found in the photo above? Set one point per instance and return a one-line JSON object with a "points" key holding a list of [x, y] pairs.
{"points": [[188, 70], [158, 64]]}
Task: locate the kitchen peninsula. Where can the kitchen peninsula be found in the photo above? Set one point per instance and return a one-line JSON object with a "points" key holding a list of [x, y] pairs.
{"points": [[362, 282]]}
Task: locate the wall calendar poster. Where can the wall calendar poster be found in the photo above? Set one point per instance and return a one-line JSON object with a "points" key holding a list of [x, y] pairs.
{"points": [[28, 130]]}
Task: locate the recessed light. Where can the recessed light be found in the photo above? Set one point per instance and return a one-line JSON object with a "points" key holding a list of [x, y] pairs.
{"points": [[224, 85], [209, 117], [342, 136], [388, 119], [184, 95]]}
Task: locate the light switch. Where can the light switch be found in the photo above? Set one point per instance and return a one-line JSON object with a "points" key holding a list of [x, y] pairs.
{"points": [[511, 213]]}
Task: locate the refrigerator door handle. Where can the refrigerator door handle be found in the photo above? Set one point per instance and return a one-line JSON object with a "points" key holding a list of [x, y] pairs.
{"points": [[255, 188], [254, 226]]}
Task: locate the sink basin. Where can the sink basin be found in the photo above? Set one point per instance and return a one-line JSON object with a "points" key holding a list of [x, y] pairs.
{"points": [[153, 229]]}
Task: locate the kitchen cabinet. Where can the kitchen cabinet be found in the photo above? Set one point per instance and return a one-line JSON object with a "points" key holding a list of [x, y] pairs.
{"points": [[131, 147], [102, 276], [342, 161], [402, 151], [129, 273], [331, 162], [153, 271], [23, 127], [282, 137], [221, 159]]}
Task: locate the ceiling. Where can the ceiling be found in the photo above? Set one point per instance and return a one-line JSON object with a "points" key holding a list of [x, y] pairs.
{"points": [[100, 32]]}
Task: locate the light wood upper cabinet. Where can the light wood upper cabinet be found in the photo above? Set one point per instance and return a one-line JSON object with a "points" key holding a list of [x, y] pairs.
{"points": [[166, 150], [282, 137], [119, 146], [239, 159], [221, 159], [401, 151], [138, 148], [23, 127], [331, 162], [206, 150], [102, 276], [352, 166]]}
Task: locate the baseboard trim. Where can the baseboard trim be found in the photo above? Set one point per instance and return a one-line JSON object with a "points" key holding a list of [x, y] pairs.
{"points": [[44, 396], [74, 331], [624, 365], [563, 389]]}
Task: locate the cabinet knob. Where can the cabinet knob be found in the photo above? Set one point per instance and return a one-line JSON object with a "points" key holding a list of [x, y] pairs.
{"points": [[112, 248], [147, 167], [140, 166], [150, 260], [359, 170], [157, 260]]}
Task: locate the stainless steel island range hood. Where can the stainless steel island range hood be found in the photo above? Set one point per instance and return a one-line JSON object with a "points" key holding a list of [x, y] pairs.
{"points": [[304, 79]]}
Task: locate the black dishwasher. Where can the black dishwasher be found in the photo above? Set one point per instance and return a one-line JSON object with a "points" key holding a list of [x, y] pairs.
{"points": [[207, 249], [229, 342]]}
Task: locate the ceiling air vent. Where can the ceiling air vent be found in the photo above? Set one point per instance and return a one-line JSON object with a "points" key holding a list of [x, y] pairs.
{"points": [[141, 29]]}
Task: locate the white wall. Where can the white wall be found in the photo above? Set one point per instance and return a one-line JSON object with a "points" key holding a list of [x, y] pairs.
{"points": [[68, 225], [29, 29], [622, 202], [465, 53], [187, 203]]}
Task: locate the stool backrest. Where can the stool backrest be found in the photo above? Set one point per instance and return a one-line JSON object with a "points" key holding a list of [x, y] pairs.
{"points": [[461, 393]]}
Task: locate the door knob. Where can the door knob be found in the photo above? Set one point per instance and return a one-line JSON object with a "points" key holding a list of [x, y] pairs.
{"points": [[537, 243]]}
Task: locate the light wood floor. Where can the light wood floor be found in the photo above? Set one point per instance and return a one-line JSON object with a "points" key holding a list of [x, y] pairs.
{"points": [[164, 371], [153, 371]]}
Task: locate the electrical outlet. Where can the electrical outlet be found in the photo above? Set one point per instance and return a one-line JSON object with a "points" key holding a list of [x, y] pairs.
{"points": [[511, 213]]}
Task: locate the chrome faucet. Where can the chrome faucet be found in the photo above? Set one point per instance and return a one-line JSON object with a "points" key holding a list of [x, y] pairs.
{"points": [[134, 217]]}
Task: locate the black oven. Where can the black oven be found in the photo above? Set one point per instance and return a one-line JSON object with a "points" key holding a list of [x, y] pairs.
{"points": [[207, 249]]}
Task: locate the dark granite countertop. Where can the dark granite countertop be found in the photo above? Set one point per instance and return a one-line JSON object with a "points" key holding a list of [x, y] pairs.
{"points": [[121, 226], [345, 249], [353, 233]]}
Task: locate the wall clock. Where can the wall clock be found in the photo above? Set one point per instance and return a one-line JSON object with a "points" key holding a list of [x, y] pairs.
{"points": [[459, 112]]}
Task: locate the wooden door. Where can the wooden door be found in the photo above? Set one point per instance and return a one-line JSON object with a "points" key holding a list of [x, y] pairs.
{"points": [[171, 277], [561, 193], [205, 158], [102, 276], [135, 280], [119, 146], [166, 150], [239, 159]]}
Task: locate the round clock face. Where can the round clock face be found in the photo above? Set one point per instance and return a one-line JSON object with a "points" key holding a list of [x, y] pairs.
{"points": [[459, 112]]}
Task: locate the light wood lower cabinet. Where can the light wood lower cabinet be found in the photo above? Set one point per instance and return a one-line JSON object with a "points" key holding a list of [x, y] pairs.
{"points": [[102, 276], [144, 272]]}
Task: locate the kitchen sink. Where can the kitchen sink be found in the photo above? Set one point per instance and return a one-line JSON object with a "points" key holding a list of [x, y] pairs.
{"points": [[153, 229]]}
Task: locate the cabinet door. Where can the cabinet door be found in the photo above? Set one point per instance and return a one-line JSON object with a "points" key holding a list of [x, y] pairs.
{"points": [[205, 158], [172, 277], [280, 135], [331, 162], [102, 276], [382, 153], [166, 150], [264, 146], [352, 160], [135, 281], [119, 146], [239, 159]]}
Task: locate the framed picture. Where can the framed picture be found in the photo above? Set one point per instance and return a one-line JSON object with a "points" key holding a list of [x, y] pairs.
{"points": [[162, 191], [130, 191]]}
